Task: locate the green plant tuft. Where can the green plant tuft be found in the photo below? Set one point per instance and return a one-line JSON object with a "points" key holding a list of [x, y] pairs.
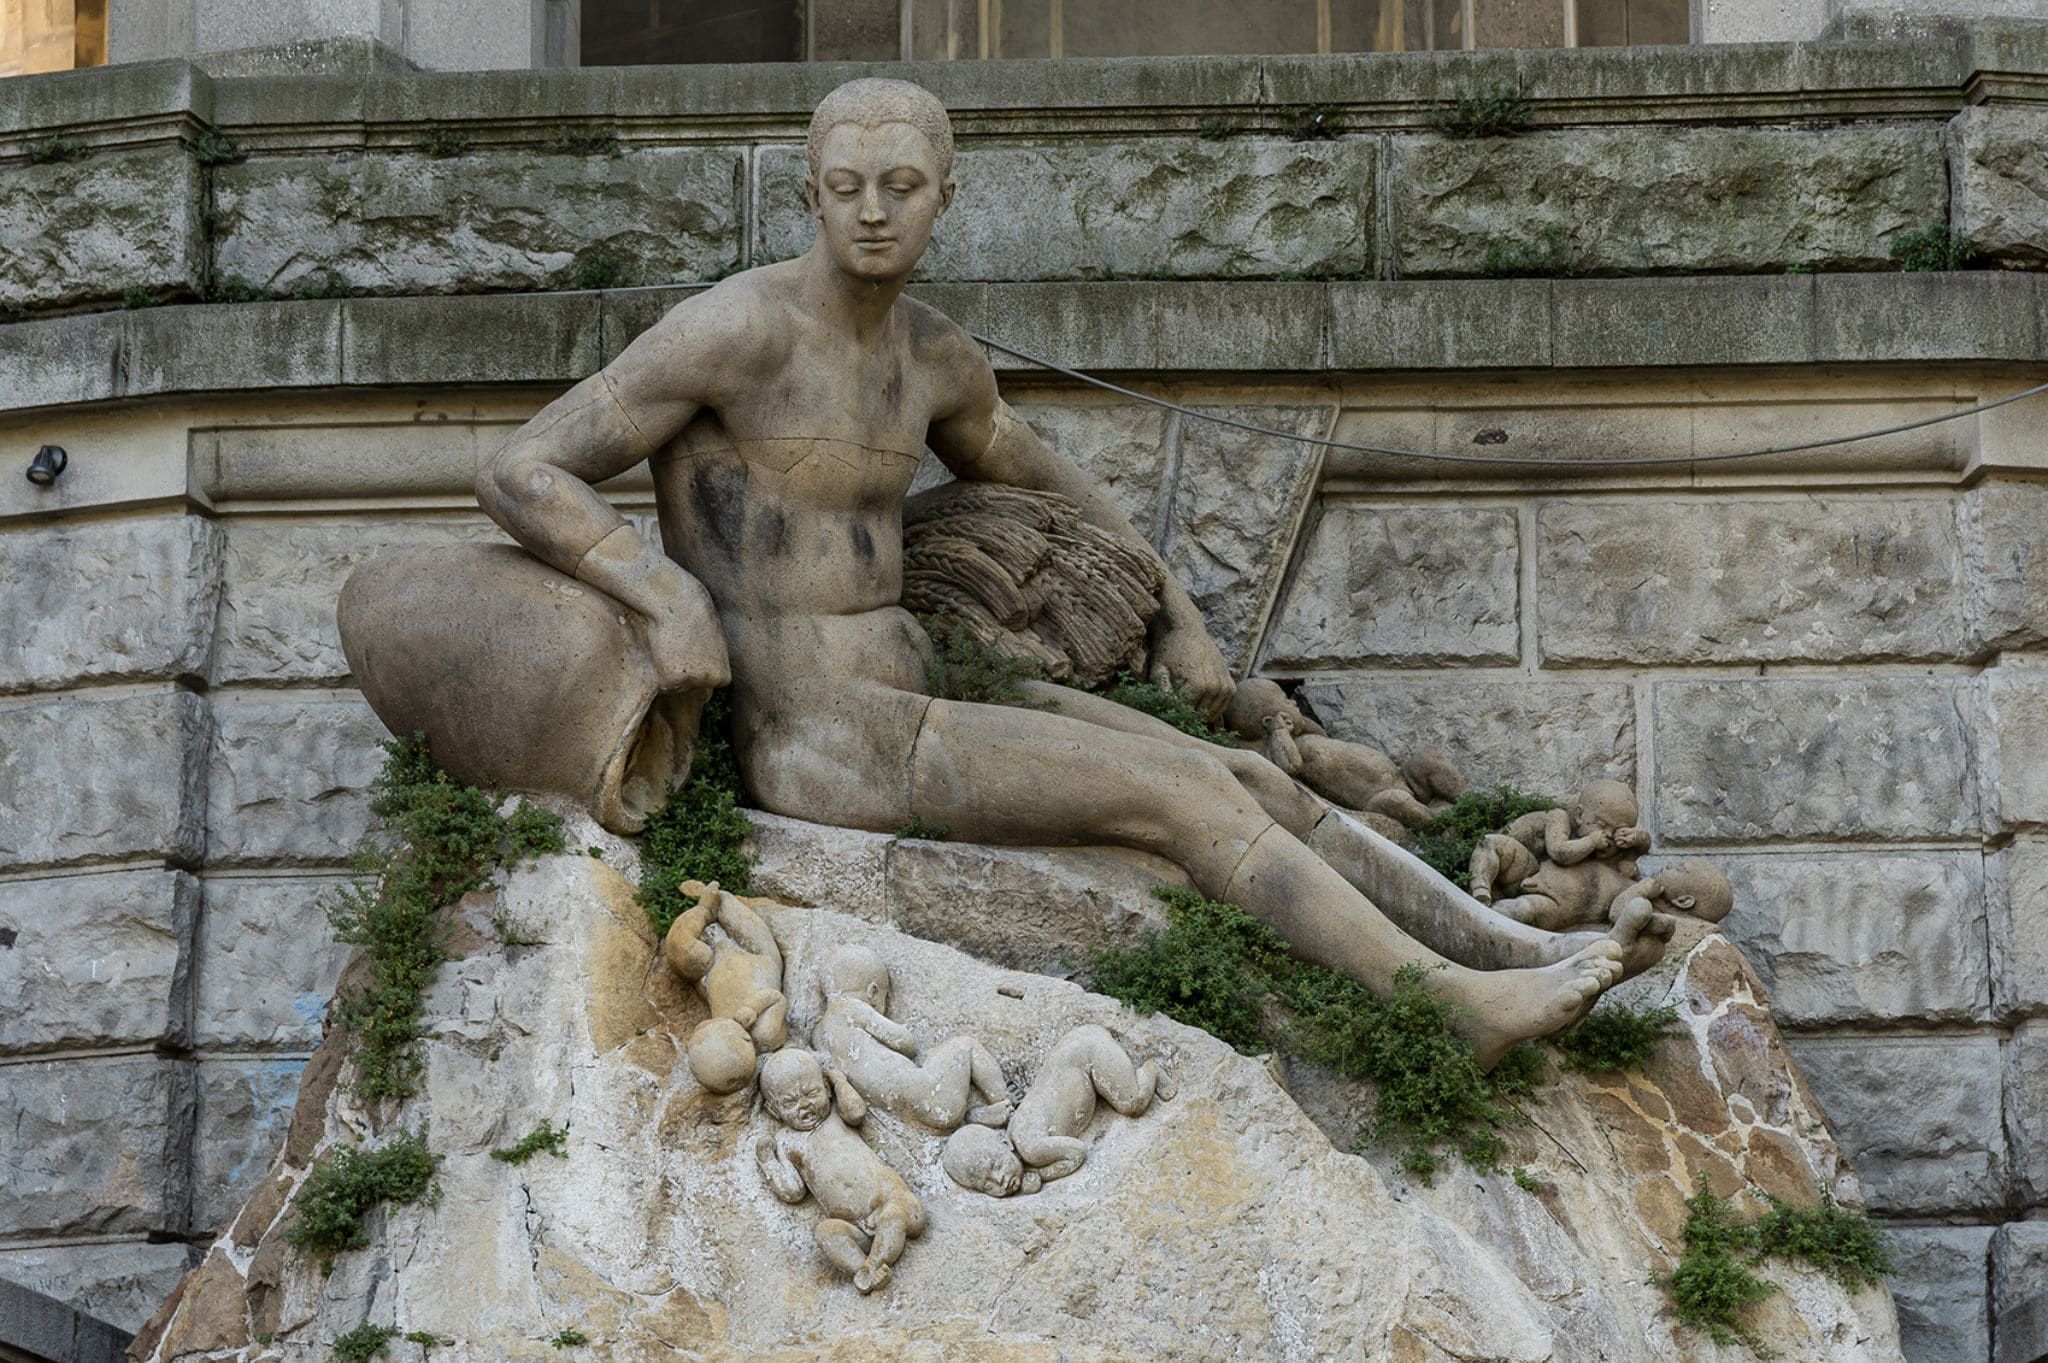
{"points": [[963, 667], [339, 1194], [1309, 122], [363, 1343], [598, 269], [1844, 1245], [1616, 1037], [1498, 110], [212, 149], [1215, 967], [442, 841], [443, 143], [56, 148], [698, 834], [1170, 704], [1933, 247], [545, 1137], [330, 284], [136, 296], [1552, 259], [569, 140], [424, 1340], [569, 1338], [1446, 841], [918, 830], [1525, 1180], [236, 288]]}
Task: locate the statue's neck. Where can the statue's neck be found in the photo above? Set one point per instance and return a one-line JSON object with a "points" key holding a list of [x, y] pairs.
{"points": [[858, 307]]}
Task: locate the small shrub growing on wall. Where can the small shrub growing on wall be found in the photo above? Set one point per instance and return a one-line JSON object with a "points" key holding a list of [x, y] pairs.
{"points": [[700, 832], [1498, 110], [1933, 248]]}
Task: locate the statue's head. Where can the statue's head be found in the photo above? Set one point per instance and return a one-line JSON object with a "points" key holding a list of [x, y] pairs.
{"points": [[881, 154], [981, 1159], [1698, 888], [858, 972], [793, 1088], [1606, 806], [721, 1055]]}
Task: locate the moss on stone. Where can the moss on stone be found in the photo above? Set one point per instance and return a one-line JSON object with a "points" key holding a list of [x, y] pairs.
{"points": [[545, 1137], [330, 1208]]}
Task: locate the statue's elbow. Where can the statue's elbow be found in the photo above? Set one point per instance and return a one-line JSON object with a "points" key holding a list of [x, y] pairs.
{"points": [[502, 484]]}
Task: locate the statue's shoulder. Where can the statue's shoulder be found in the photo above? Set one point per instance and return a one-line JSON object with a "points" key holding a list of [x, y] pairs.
{"points": [[935, 338], [743, 320]]}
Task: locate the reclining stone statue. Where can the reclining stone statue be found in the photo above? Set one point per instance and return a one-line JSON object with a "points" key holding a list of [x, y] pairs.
{"points": [[740, 977], [878, 1056], [870, 1211], [784, 412], [1043, 1141]]}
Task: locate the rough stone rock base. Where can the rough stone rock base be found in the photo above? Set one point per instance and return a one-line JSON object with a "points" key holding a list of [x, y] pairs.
{"points": [[1222, 1224]]}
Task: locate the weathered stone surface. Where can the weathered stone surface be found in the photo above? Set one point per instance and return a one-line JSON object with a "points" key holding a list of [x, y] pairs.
{"points": [[2019, 1290], [281, 579], [486, 220], [95, 1147], [1668, 200], [82, 231], [289, 778], [120, 1283], [143, 754], [1221, 1224], [1846, 758], [1546, 736], [96, 960], [805, 863], [1121, 445], [2016, 882], [2008, 563], [2000, 173], [2015, 746], [1917, 1116], [266, 964], [146, 612], [1939, 1285], [1847, 579], [2026, 1109], [1236, 500], [1403, 586], [1858, 937], [1124, 207], [244, 1108]]}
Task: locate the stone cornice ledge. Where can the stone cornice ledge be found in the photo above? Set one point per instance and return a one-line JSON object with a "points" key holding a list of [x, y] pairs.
{"points": [[1135, 326]]}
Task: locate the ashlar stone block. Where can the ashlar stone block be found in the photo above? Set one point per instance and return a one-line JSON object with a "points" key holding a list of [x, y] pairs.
{"points": [[1918, 1117], [1749, 760], [84, 231], [1403, 586], [121, 1283], [2026, 1109], [2016, 758], [1120, 207], [1544, 736], [280, 583], [289, 779], [266, 963], [244, 1108], [1846, 579], [2008, 562], [1121, 445], [96, 960], [146, 611], [409, 223], [1938, 1284], [1858, 937], [95, 1147], [1998, 163], [2019, 1290], [1659, 200], [1236, 499], [84, 779], [2016, 879]]}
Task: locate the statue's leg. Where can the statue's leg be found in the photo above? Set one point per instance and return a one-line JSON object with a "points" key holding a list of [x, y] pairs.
{"points": [[1003, 774], [1052, 1156], [953, 1071], [841, 1245], [1123, 1085]]}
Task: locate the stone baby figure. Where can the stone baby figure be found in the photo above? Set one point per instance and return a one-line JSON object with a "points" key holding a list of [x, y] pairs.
{"points": [[1559, 898], [1355, 776], [1601, 823], [1044, 1138], [740, 978], [870, 1212], [876, 1054]]}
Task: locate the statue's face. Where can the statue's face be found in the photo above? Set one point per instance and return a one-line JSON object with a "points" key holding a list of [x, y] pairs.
{"points": [[876, 194], [798, 1098]]}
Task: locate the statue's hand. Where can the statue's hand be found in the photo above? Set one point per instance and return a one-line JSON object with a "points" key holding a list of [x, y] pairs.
{"points": [[1184, 655], [684, 637]]}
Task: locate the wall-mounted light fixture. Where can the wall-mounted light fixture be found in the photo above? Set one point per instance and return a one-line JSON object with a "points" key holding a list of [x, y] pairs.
{"points": [[48, 463]]}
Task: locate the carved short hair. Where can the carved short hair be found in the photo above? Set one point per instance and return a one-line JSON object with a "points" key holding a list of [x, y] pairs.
{"points": [[871, 102]]}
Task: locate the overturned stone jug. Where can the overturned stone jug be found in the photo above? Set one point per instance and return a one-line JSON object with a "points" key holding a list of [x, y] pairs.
{"points": [[521, 678]]}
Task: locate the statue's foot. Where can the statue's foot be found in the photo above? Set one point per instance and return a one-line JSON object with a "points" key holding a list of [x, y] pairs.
{"points": [[1503, 1007], [869, 1277], [1163, 1087], [990, 1114], [1483, 893], [1642, 934], [1400, 806]]}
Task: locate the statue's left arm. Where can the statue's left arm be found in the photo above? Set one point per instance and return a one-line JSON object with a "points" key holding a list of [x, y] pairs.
{"points": [[983, 440]]}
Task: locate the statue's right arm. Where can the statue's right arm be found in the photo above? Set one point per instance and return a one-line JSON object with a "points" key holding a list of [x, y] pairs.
{"points": [[539, 485]]}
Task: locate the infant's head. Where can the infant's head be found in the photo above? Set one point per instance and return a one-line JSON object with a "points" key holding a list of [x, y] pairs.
{"points": [[981, 1158], [794, 1089], [858, 972], [1695, 887], [1605, 806], [722, 1055]]}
